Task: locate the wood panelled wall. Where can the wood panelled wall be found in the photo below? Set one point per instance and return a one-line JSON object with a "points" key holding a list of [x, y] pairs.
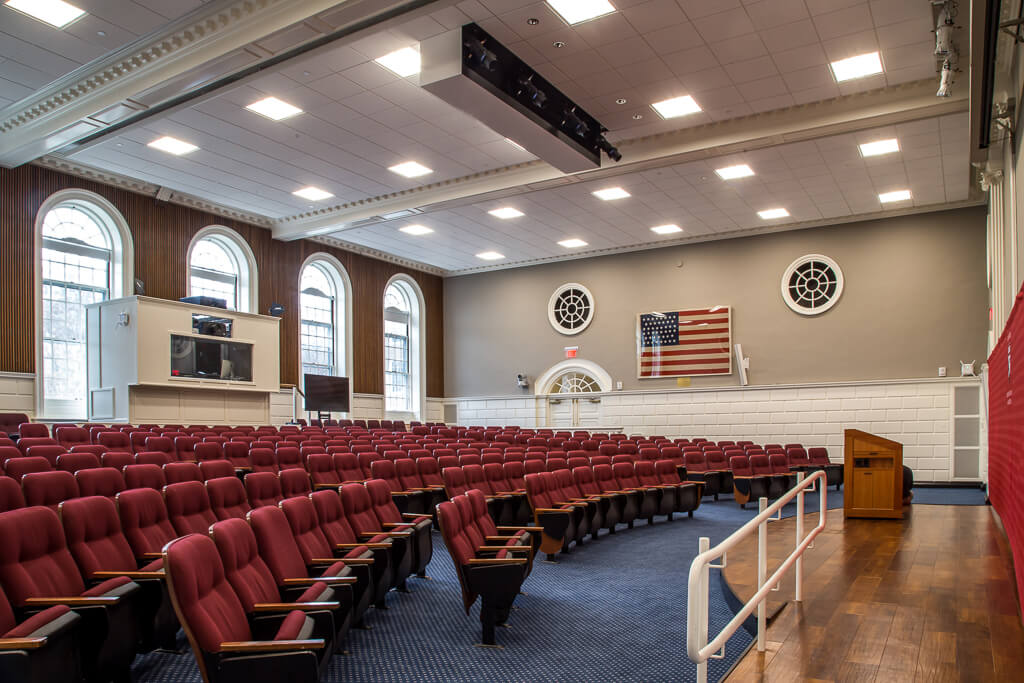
{"points": [[162, 233]]}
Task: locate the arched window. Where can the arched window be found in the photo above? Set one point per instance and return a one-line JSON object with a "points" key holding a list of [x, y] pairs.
{"points": [[403, 346], [324, 324], [84, 257], [221, 265], [397, 365]]}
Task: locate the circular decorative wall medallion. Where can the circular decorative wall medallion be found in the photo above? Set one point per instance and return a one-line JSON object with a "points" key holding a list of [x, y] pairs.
{"points": [[812, 284], [571, 308]]}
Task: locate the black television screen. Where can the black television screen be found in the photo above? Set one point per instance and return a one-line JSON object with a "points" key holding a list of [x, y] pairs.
{"points": [[326, 394]]}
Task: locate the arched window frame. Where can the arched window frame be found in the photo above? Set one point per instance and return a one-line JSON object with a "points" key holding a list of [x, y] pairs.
{"points": [[121, 279], [339, 277], [417, 347], [239, 249]]}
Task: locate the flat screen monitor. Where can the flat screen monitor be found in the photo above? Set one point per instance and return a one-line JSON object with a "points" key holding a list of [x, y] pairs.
{"points": [[326, 394]]}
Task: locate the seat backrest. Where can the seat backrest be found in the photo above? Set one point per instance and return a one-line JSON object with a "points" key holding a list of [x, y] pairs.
{"points": [[158, 458], [72, 462], [144, 476], [115, 441], [515, 473], [779, 464], [156, 443], [144, 520], [185, 447], [321, 469], [49, 488], [715, 460], [71, 436], [227, 498], [625, 474], [49, 451], [331, 516], [383, 504], [101, 481], [276, 544], [470, 459], [94, 536], [429, 471], [116, 459], [263, 488], [288, 458], [408, 476], [208, 606], [347, 467], [566, 484], [236, 453], [695, 461], [355, 500], [11, 497], [188, 507], [476, 479], [797, 457], [818, 455], [667, 472], [740, 466], [305, 527], [646, 473], [760, 465], [294, 483], [33, 430], [495, 475], [262, 460], [454, 481], [215, 469], [245, 570], [34, 558], [138, 441], [17, 468], [384, 470], [176, 472], [208, 451], [456, 540]]}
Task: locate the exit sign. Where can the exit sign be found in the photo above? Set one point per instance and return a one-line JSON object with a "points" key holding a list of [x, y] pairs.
{"points": [[571, 351]]}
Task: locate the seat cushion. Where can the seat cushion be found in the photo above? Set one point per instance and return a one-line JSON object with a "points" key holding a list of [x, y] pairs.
{"points": [[154, 566], [294, 627], [318, 592], [37, 621], [108, 586], [336, 569]]}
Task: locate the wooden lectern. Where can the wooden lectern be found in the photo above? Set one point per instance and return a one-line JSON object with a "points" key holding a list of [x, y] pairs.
{"points": [[873, 476]]}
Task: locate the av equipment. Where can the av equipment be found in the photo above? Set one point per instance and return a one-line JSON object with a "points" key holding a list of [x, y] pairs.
{"points": [[326, 394]]}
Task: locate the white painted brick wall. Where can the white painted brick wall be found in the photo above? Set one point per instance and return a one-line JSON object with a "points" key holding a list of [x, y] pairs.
{"points": [[17, 393], [914, 413]]}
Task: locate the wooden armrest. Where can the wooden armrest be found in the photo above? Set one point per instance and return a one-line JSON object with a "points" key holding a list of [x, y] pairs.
{"points": [[493, 548], [372, 546], [21, 643], [72, 602], [423, 488], [535, 529], [320, 579], [413, 515], [355, 560], [271, 645], [352, 481], [151, 556], [131, 575], [392, 525], [321, 486], [500, 538], [551, 510], [495, 560], [242, 468], [289, 606], [397, 534], [575, 505]]}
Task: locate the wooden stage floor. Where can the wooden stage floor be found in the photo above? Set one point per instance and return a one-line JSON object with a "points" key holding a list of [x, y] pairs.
{"points": [[927, 598]]}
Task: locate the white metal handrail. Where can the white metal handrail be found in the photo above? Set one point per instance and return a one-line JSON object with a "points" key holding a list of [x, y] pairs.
{"points": [[698, 648]]}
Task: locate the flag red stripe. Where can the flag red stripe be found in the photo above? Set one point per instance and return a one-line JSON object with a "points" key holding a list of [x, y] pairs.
{"points": [[691, 361], [707, 330], [705, 320], [709, 340], [685, 352], [700, 311], [649, 373]]}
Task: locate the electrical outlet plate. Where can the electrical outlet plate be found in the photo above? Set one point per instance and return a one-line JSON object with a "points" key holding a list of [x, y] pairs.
{"points": [[942, 371]]}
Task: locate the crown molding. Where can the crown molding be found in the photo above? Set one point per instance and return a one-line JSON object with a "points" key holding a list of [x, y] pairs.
{"points": [[132, 185], [379, 255]]}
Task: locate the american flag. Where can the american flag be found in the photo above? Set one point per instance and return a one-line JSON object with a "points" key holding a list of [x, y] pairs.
{"points": [[683, 343]]}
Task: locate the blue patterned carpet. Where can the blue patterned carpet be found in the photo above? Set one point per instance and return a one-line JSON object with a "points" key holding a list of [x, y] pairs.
{"points": [[952, 495], [613, 610]]}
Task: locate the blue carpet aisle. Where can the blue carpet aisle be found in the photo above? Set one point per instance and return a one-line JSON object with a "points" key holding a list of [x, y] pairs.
{"points": [[613, 610], [948, 496]]}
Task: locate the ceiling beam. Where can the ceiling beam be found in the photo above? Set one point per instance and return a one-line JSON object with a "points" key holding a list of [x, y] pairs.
{"points": [[885, 106]]}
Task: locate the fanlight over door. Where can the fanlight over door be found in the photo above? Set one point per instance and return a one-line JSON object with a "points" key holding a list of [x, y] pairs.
{"points": [[575, 409]]}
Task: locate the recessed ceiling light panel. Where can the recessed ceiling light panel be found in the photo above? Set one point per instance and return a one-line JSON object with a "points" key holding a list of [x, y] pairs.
{"points": [[56, 13], [576, 11], [573, 243], [274, 109], [666, 229], [490, 255], [894, 196], [506, 212], [172, 145], [313, 194], [879, 147], [860, 66], [410, 169], [771, 214], [610, 193], [733, 172], [677, 106], [416, 230], [404, 62]]}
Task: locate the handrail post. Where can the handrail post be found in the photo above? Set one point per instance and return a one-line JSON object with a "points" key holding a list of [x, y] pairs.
{"points": [[702, 632], [762, 571], [799, 569]]}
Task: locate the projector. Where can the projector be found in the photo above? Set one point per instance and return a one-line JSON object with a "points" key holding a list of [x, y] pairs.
{"points": [[473, 72]]}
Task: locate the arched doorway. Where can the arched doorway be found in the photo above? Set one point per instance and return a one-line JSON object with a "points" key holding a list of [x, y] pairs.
{"points": [[572, 392]]}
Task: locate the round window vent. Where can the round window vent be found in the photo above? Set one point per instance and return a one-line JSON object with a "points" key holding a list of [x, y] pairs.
{"points": [[571, 308], [812, 284]]}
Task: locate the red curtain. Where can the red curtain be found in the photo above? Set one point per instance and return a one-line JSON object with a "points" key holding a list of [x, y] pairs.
{"points": [[1006, 434]]}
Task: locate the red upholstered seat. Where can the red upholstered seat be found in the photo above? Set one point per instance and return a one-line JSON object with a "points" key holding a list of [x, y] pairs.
{"points": [[263, 488], [54, 654], [72, 462], [138, 439], [144, 521], [158, 458], [33, 430], [11, 497], [294, 482], [228, 499], [17, 468], [71, 436], [321, 471], [262, 460], [35, 563], [212, 615], [215, 469], [188, 507], [101, 481], [360, 515], [747, 484], [177, 472], [48, 488], [49, 451], [208, 451], [429, 471], [144, 476], [116, 459], [184, 447], [288, 457]]}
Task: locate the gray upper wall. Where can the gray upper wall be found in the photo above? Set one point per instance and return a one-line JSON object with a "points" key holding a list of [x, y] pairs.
{"points": [[915, 299]]}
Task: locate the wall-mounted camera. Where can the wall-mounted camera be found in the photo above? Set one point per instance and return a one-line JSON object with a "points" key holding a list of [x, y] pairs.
{"points": [[522, 381]]}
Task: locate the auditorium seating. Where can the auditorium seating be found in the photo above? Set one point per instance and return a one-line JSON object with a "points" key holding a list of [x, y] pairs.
{"points": [[38, 571], [820, 460], [359, 512], [226, 647], [43, 647]]}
